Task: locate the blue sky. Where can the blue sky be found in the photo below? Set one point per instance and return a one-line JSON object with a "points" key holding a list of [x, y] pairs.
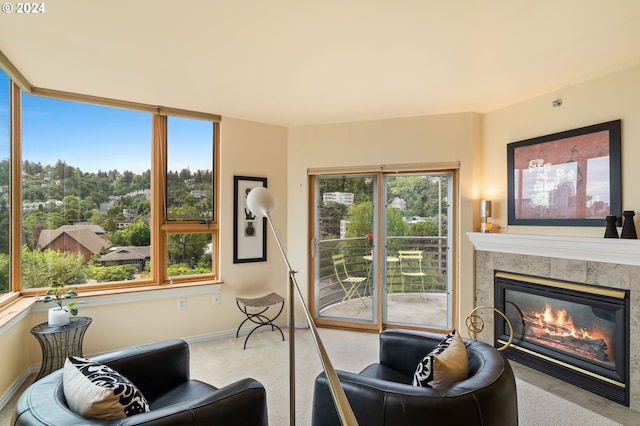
{"points": [[4, 115], [96, 138]]}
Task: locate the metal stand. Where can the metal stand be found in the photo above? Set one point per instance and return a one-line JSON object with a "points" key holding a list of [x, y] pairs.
{"points": [[345, 413], [59, 342], [258, 317]]}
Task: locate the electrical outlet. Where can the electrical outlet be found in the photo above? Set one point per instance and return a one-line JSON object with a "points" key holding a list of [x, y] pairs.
{"points": [[216, 299], [182, 304]]}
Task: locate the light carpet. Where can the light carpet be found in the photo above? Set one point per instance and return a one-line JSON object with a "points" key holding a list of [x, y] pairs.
{"points": [[224, 361]]}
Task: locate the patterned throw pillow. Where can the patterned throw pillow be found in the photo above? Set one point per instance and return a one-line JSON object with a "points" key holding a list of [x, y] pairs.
{"points": [[445, 365], [97, 391]]}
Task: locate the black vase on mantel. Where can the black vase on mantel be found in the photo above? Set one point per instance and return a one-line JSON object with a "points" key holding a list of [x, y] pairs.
{"points": [[611, 231], [628, 226]]}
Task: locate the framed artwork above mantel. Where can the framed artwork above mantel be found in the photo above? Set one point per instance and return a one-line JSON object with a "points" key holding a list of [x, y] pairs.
{"points": [[570, 178]]}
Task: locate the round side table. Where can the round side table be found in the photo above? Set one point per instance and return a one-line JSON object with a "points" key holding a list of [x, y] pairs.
{"points": [[59, 342]]}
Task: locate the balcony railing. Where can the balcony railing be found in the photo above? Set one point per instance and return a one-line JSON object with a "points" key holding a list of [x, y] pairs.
{"points": [[355, 251]]}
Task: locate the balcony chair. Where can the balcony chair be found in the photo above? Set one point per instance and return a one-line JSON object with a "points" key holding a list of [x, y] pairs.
{"points": [[349, 283], [411, 269], [161, 373]]}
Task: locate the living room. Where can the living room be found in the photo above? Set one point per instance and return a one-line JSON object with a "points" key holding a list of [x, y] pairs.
{"points": [[284, 149]]}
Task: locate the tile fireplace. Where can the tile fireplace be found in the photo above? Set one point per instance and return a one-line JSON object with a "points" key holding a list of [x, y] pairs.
{"points": [[576, 332], [606, 264]]}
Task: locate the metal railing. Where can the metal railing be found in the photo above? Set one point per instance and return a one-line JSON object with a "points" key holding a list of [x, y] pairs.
{"points": [[434, 265]]}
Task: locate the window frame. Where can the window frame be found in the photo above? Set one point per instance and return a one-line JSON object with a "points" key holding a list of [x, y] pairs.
{"points": [[160, 226]]}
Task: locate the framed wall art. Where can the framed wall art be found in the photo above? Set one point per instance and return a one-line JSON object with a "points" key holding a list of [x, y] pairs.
{"points": [[571, 178], [249, 231]]}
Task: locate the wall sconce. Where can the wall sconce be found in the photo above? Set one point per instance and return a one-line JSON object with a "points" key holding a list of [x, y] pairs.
{"points": [[485, 214]]}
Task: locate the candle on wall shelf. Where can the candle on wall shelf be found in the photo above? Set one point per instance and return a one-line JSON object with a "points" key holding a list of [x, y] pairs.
{"points": [[485, 214]]}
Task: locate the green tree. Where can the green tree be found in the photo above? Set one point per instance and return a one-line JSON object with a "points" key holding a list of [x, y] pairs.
{"points": [[396, 226], [40, 268], [136, 234], [425, 228], [139, 234], [185, 269], [360, 187], [32, 224], [360, 220], [112, 273], [4, 226], [119, 238], [330, 216], [187, 248], [4, 272], [97, 218]]}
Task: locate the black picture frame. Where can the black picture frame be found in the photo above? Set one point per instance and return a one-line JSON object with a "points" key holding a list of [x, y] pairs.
{"points": [[569, 178], [249, 231]]}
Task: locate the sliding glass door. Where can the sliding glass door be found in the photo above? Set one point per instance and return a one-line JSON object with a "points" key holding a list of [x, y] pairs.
{"points": [[417, 249], [345, 285], [383, 263]]}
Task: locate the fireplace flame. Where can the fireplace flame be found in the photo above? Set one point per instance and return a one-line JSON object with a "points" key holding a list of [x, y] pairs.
{"points": [[556, 324]]}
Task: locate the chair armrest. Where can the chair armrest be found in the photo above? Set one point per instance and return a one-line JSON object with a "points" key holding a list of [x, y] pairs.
{"points": [[243, 403], [379, 402], [153, 368], [372, 400]]}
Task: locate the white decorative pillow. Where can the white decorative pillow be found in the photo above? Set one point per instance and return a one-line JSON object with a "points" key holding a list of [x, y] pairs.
{"points": [[445, 365], [97, 391]]}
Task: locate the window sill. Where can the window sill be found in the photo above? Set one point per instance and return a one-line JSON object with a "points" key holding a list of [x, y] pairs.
{"points": [[23, 306], [15, 311]]}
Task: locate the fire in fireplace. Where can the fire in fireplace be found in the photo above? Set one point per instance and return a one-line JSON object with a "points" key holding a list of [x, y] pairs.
{"points": [[577, 332]]}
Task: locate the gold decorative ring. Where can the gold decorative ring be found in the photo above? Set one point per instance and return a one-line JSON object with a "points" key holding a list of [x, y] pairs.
{"points": [[475, 324]]}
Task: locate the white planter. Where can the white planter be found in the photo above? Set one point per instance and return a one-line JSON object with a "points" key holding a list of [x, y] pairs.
{"points": [[58, 317]]}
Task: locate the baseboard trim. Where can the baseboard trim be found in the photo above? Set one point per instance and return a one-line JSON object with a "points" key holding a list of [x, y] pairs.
{"points": [[17, 385]]}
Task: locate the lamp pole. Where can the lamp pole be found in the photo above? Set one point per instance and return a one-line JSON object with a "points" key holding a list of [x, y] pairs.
{"points": [[261, 202]]}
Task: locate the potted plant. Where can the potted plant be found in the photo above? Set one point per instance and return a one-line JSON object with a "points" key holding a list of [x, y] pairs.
{"points": [[57, 293]]}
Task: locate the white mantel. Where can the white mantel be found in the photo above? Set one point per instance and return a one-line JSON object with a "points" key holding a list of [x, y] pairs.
{"points": [[608, 250]]}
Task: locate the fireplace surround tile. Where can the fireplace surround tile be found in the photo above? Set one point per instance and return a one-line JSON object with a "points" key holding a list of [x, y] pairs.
{"points": [[569, 270], [613, 275], [634, 364], [524, 264], [610, 275]]}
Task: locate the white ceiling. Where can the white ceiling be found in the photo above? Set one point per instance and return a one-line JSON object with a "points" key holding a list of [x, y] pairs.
{"points": [[297, 62]]}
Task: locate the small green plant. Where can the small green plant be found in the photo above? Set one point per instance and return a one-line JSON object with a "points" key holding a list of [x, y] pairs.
{"points": [[57, 293]]}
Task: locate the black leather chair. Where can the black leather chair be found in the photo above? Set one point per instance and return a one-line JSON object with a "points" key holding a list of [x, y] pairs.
{"points": [[382, 394], [161, 372]]}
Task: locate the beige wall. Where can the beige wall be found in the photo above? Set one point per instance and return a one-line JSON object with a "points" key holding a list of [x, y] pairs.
{"points": [[612, 97], [432, 139], [260, 150], [14, 353]]}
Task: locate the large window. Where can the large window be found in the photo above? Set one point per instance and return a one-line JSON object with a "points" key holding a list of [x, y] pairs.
{"points": [[5, 136], [85, 192], [106, 193]]}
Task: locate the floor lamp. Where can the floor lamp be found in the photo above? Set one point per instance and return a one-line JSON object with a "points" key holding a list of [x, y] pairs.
{"points": [[261, 202]]}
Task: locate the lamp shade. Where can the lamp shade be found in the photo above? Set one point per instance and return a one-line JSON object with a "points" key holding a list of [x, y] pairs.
{"points": [[261, 201]]}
